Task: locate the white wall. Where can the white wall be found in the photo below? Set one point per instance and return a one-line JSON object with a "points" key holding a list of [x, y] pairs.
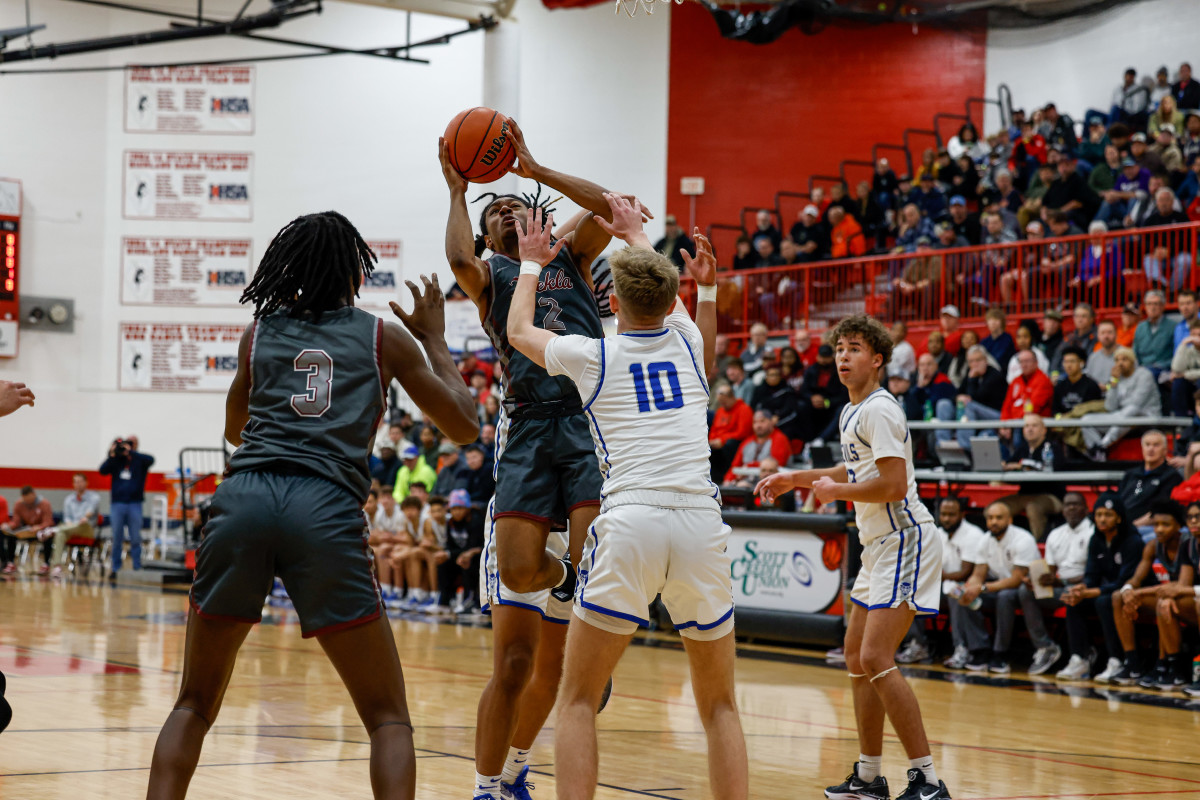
{"points": [[350, 133], [1079, 62]]}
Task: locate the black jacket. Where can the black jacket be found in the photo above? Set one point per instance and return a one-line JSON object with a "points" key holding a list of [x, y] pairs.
{"points": [[464, 535], [988, 389], [1110, 565], [1067, 395], [1139, 488], [128, 476]]}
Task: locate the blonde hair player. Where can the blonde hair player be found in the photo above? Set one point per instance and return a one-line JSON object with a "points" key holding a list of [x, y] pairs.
{"points": [[660, 529], [901, 563]]}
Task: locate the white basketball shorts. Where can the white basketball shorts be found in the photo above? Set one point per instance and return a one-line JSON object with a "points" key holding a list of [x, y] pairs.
{"points": [[903, 567], [492, 590], [634, 552]]}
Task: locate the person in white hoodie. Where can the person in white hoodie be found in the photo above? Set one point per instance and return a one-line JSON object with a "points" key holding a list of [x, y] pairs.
{"points": [[1133, 392]]}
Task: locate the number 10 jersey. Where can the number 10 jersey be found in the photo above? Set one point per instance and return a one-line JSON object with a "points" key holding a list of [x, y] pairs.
{"points": [[646, 400], [316, 397]]}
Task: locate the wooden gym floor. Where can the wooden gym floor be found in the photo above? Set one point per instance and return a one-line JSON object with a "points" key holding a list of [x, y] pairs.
{"points": [[92, 672]]}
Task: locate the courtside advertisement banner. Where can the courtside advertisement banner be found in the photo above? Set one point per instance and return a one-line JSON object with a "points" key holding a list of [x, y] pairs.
{"points": [[178, 356], [196, 100], [184, 272], [793, 571], [384, 284], [188, 185]]}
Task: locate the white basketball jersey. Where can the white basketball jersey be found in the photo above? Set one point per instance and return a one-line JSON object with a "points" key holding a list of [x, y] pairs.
{"points": [[646, 399], [876, 428]]}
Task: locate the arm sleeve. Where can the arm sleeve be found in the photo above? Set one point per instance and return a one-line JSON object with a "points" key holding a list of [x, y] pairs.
{"points": [[884, 427], [147, 460], [1142, 392], [577, 357], [1091, 572], [1006, 408]]}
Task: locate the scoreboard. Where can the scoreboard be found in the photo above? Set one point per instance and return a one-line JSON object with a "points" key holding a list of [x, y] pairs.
{"points": [[10, 266]]}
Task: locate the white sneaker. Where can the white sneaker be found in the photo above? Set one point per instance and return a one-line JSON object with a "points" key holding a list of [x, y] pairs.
{"points": [[912, 652], [1044, 659], [1075, 670], [958, 660], [1110, 669]]}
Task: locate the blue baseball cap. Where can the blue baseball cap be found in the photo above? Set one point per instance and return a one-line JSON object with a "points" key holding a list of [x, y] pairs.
{"points": [[409, 451], [459, 498], [958, 200]]}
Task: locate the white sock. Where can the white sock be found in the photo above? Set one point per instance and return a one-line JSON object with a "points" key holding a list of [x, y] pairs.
{"points": [[486, 785], [925, 765], [419, 594], [515, 763], [869, 767]]}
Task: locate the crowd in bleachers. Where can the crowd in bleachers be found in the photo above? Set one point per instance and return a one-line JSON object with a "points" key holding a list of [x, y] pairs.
{"points": [[1135, 166]]}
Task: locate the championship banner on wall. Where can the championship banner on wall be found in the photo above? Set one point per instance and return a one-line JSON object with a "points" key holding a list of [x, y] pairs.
{"points": [[189, 100], [794, 571], [184, 272], [186, 185], [384, 284], [178, 357]]}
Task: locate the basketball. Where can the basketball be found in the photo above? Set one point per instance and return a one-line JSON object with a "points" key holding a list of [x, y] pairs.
{"points": [[479, 145]]}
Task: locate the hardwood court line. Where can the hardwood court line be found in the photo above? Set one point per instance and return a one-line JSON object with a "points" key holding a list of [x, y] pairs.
{"points": [[1034, 757], [198, 766], [93, 659]]}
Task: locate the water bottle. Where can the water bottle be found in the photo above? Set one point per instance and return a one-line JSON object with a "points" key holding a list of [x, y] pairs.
{"points": [[928, 410], [960, 411], [1054, 376], [957, 592], [1047, 457]]}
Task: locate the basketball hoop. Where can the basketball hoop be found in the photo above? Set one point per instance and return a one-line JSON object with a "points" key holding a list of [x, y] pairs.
{"points": [[631, 7]]}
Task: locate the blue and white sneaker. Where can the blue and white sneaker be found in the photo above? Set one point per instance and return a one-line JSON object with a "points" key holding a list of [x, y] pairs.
{"points": [[518, 789], [428, 604]]}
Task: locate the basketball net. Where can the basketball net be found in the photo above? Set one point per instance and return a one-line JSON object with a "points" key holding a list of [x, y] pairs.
{"points": [[631, 7]]}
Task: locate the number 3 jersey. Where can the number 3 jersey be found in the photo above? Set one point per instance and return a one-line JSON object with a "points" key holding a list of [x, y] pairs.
{"points": [[565, 305], [646, 400], [316, 397], [877, 428]]}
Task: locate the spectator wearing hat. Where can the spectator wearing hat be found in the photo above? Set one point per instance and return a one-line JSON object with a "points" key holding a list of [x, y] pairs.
{"points": [[1132, 392], [1186, 91], [387, 464], [674, 240], [1076, 386], [1167, 113], [964, 222], [1068, 192], [948, 238], [809, 234], [928, 197], [463, 547], [414, 470], [448, 466], [1131, 183], [1167, 150], [1161, 87], [1113, 554], [1139, 151], [822, 396], [845, 234], [1131, 102], [951, 337], [1131, 315]]}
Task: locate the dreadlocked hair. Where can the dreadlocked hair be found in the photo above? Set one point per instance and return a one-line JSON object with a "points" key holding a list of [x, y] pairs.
{"points": [[533, 201], [309, 267]]}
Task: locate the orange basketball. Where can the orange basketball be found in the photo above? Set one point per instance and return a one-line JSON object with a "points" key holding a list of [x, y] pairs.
{"points": [[479, 145]]}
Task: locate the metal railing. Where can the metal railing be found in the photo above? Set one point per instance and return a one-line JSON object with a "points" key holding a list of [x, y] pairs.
{"points": [[1024, 278]]}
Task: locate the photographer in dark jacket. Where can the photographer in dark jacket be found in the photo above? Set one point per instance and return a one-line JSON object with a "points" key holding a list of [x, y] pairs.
{"points": [[128, 469]]}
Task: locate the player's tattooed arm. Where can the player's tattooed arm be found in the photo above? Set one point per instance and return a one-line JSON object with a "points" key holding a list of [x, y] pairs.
{"points": [[470, 272], [237, 402], [534, 244], [437, 388]]}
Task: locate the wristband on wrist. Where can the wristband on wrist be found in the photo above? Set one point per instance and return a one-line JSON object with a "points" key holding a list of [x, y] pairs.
{"points": [[531, 268], [1126, 588], [706, 294], [1196, 591]]}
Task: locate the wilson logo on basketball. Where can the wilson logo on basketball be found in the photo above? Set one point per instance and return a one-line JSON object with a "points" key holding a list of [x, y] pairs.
{"points": [[221, 364], [232, 277], [493, 152], [229, 192], [231, 105]]}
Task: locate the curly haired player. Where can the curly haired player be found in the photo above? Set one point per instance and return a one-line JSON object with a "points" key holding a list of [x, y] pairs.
{"points": [[902, 560]]}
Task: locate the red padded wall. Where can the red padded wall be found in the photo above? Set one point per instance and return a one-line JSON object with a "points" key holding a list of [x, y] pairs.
{"points": [[754, 119]]}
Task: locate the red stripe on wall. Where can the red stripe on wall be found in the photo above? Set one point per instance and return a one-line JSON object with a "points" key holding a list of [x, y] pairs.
{"points": [[755, 119], [41, 479]]}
